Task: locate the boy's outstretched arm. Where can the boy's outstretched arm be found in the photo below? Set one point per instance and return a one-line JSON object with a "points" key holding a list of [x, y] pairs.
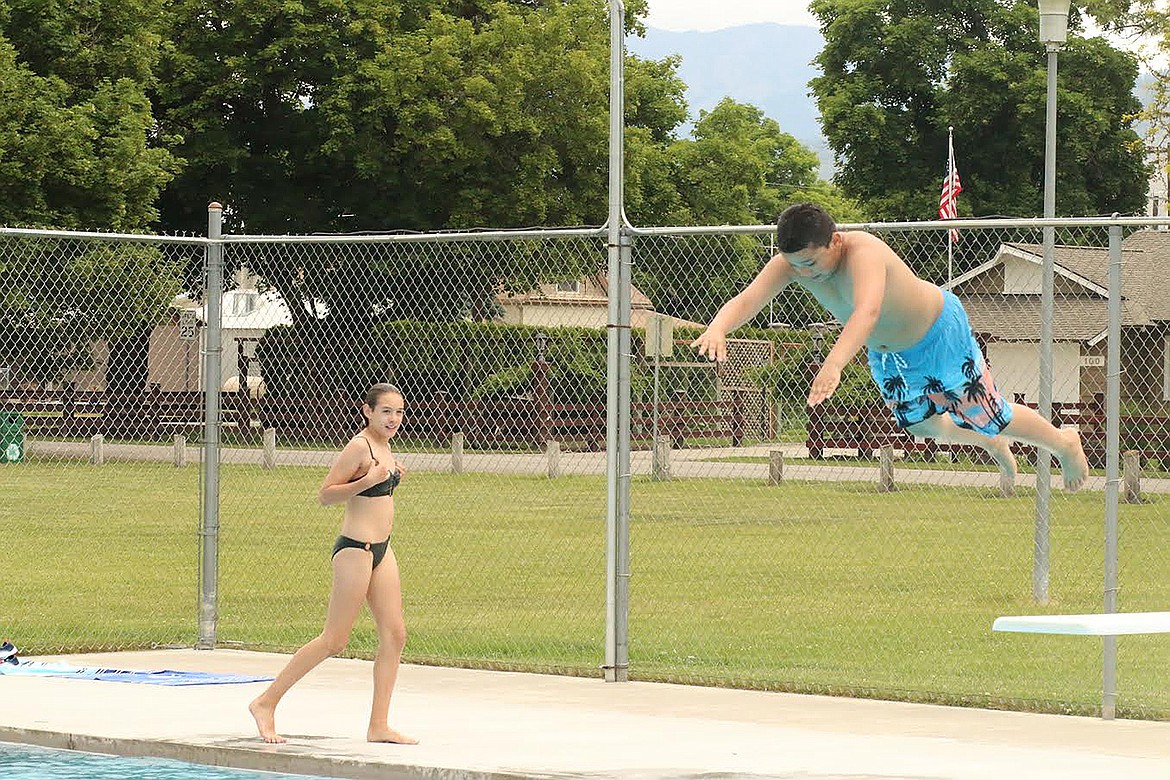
{"points": [[771, 279], [868, 274]]}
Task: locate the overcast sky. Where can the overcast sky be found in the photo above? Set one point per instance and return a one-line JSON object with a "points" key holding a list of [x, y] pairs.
{"points": [[706, 15], [679, 15]]}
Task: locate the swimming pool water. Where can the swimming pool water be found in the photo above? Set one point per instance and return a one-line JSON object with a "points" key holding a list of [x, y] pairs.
{"points": [[26, 762]]}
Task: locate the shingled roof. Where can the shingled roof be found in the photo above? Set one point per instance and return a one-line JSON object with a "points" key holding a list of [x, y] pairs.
{"points": [[1017, 317], [1146, 271], [1145, 257]]}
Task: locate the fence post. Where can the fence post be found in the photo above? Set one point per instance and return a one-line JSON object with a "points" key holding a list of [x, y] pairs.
{"points": [[886, 469], [737, 421], [269, 448], [1007, 485], [97, 450], [1132, 471], [661, 471], [212, 382], [440, 427], [68, 407], [618, 352], [675, 422], [457, 453], [1112, 449], [553, 450], [775, 467], [816, 431], [180, 450], [153, 411], [540, 393], [243, 395]]}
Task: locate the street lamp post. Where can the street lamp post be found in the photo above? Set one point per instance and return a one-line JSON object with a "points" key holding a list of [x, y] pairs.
{"points": [[1053, 34]]}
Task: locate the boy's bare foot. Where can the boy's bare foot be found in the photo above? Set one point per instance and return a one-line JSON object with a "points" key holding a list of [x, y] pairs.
{"points": [[265, 721], [1073, 463], [1000, 448], [387, 734]]}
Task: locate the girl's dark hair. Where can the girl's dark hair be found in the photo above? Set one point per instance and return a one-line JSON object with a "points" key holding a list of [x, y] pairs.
{"points": [[803, 225], [375, 393]]}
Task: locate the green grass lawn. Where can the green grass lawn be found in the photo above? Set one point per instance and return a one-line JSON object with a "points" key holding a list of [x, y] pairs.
{"points": [[820, 587], [1151, 468]]}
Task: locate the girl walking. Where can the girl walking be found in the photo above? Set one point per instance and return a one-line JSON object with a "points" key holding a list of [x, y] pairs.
{"points": [[363, 476]]}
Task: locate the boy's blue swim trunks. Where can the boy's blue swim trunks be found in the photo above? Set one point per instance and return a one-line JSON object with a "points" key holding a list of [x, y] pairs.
{"points": [[944, 372]]}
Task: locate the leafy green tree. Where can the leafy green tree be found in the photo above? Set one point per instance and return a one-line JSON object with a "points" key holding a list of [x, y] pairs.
{"points": [[737, 164], [340, 116], [79, 149], [655, 106], [738, 168], [78, 143], [1145, 26], [897, 73], [59, 297]]}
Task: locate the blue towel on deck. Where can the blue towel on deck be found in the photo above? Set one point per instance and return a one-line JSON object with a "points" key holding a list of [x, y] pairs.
{"points": [[156, 677]]}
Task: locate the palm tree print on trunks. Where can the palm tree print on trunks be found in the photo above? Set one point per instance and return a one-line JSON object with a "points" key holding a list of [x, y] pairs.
{"points": [[895, 387], [978, 390]]}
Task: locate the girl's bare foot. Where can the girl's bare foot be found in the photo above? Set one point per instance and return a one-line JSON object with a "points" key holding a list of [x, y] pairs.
{"points": [[265, 721], [1000, 448], [387, 734], [1073, 463]]}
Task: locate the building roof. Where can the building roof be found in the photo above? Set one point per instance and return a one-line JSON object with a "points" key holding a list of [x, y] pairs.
{"points": [[1145, 257], [1146, 266], [1145, 262], [1017, 317], [595, 292]]}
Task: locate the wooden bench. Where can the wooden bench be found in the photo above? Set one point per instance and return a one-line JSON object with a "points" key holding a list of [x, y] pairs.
{"points": [[1105, 624], [866, 428], [151, 414], [862, 428]]}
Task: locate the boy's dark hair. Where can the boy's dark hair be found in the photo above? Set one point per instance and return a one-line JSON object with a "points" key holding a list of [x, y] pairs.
{"points": [[803, 225]]}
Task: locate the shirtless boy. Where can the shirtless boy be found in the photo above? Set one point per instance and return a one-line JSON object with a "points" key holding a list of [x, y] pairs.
{"points": [[922, 354]]}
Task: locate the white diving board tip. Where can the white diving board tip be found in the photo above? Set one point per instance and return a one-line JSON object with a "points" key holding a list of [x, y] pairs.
{"points": [[1102, 624]]}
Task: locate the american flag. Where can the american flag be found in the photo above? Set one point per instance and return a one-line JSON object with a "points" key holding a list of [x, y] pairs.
{"points": [[948, 207]]}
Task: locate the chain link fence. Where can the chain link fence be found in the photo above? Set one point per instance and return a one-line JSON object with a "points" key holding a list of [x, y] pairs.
{"points": [[770, 548], [839, 554], [498, 345], [99, 368]]}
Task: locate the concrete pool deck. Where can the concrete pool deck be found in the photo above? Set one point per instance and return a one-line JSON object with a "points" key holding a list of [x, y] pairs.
{"points": [[484, 725]]}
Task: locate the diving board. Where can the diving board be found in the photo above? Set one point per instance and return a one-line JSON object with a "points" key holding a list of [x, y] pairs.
{"points": [[1108, 625], [1103, 624]]}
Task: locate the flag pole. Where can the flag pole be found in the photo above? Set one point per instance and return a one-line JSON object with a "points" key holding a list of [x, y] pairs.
{"points": [[950, 173]]}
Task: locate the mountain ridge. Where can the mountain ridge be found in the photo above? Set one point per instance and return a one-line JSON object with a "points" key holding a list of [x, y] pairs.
{"points": [[765, 64]]}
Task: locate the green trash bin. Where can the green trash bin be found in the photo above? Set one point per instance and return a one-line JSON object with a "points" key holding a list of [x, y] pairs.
{"points": [[11, 437]]}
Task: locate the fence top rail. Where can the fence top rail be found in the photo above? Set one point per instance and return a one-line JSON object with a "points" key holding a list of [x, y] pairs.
{"points": [[81, 234], [589, 232], [935, 225], [414, 238]]}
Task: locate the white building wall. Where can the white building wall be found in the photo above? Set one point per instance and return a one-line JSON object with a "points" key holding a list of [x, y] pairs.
{"points": [[1016, 368], [565, 315], [173, 364], [1020, 277], [1156, 205]]}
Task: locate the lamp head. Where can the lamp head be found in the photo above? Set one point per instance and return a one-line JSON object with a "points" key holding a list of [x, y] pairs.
{"points": [[1054, 21]]}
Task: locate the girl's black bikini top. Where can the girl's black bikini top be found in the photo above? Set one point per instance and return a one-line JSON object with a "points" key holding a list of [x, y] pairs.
{"points": [[385, 487]]}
